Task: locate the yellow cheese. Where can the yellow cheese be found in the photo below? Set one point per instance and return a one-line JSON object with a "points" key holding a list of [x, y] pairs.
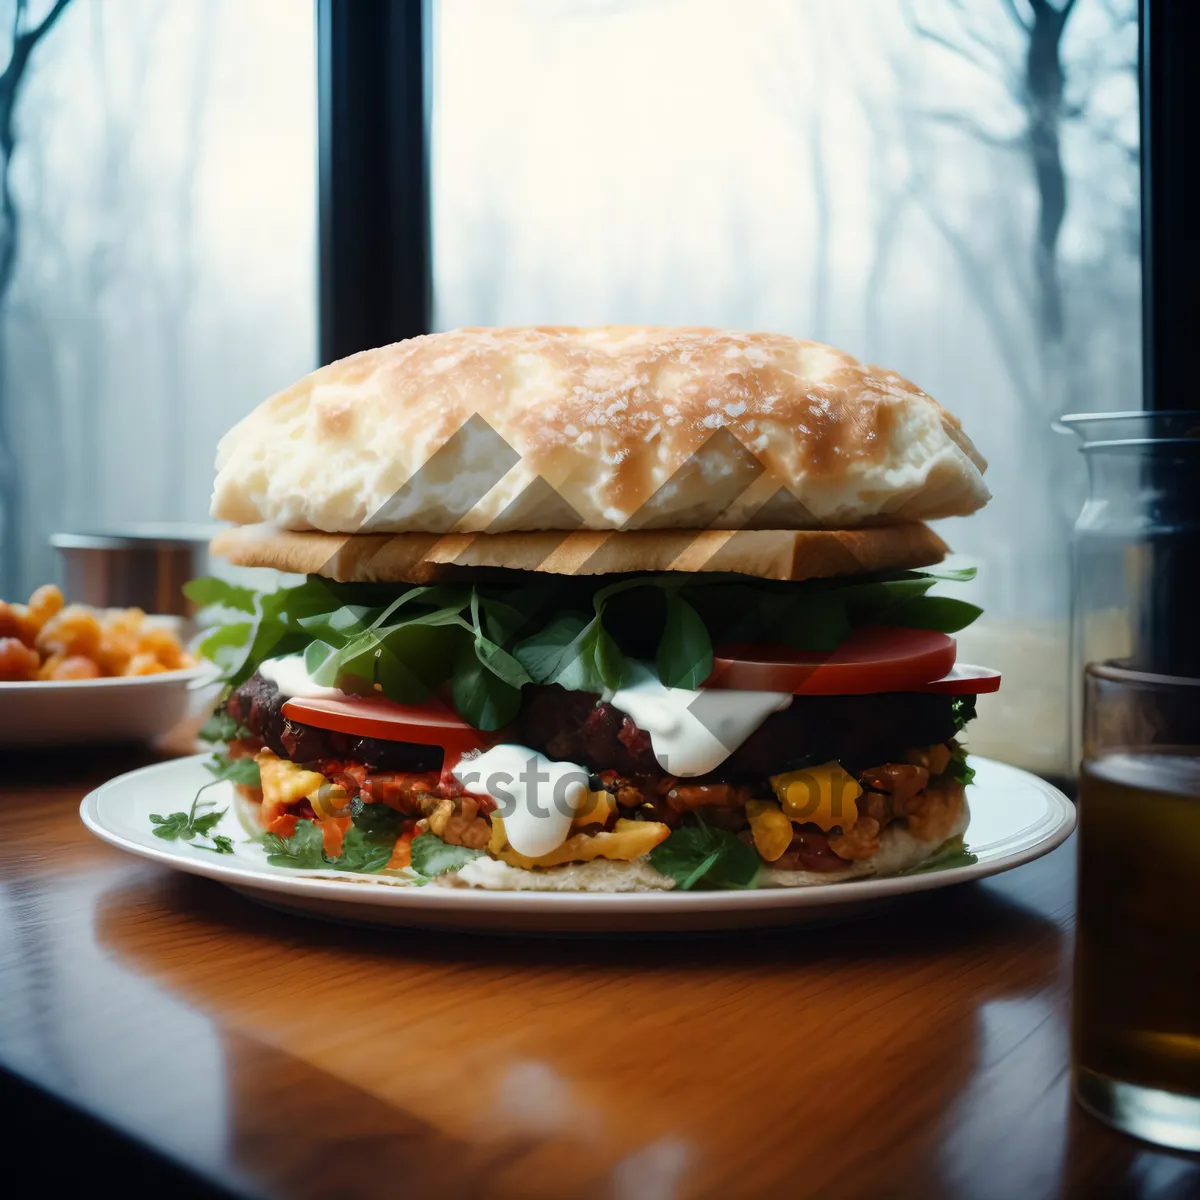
{"points": [[627, 840], [595, 810], [283, 784], [770, 827], [824, 795]]}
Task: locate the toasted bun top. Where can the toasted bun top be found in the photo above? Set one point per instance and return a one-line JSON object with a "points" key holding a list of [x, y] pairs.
{"points": [[499, 430]]}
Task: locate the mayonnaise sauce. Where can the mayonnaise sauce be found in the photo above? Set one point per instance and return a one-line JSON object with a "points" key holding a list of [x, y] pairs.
{"points": [[693, 732], [537, 798], [291, 677]]}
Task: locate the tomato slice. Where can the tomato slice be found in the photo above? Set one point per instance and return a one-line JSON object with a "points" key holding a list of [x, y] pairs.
{"points": [[964, 679], [431, 723], [877, 658]]}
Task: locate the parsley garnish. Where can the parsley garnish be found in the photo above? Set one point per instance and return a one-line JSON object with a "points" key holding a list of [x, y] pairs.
{"points": [[699, 854], [233, 770], [366, 848], [195, 823]]}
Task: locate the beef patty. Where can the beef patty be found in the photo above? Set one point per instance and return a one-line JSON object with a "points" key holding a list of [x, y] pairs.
{"points": [[857, 731]]}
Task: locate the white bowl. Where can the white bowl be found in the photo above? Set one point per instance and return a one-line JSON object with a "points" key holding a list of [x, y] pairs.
{"points": [[81, 712]]}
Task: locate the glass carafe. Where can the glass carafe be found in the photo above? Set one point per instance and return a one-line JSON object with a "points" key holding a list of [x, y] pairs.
{"points": [[1135, 592]]}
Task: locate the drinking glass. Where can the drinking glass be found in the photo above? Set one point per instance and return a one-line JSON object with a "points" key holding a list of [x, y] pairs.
{"points": [[1136, 1012]]}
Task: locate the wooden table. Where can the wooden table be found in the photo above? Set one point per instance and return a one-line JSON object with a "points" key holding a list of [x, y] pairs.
{"points": [[920, 1053]]}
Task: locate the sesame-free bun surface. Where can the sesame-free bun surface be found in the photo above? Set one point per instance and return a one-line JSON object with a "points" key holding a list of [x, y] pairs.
{"points": [[610, 428], [428, 558]]}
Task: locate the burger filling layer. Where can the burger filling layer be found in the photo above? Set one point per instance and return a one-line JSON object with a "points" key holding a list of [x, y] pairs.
{"points": [[805, 783]]}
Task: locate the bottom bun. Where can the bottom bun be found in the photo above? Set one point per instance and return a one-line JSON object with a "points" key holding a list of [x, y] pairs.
{"points": [[600, 875], [247, 807], [899, 850]]}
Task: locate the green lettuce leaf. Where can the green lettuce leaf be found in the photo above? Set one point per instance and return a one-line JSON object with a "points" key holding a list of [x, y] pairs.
{"points": [[685, 651], [208, 591], [699, 855], [431, 856], [487, 641], [234, 770]]}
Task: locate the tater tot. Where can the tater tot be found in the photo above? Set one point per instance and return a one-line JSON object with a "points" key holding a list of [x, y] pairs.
{"points": [[15, 621], [10, 620], [50, 665], [45, 603], [74, 630], [144, 664], [18, 662], [165, 647], [76, 667], [48, 639]]}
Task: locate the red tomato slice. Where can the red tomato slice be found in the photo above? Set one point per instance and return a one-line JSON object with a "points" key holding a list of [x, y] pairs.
{"points": [[964, 679], [878, 658], [429, 724]]}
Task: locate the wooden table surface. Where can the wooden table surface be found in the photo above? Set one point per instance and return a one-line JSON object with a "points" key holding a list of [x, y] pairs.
{"points": [[919, 1053]]}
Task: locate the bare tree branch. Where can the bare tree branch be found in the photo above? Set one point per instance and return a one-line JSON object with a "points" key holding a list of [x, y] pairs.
{"points": [[1015, 13], [24, 41], [931, 35], [985, 56], [979, 279], [963, 123]]}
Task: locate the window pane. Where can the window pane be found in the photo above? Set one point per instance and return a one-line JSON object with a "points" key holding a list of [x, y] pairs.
{"points": [[885, 177], [163, 178]]}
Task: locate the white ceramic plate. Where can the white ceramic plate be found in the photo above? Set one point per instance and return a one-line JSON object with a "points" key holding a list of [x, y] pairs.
{"points": [[82, 712], [1016, 817]]}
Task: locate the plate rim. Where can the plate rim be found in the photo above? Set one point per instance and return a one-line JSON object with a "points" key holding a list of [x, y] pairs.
{"points": [[43, 687], [364, 891]]}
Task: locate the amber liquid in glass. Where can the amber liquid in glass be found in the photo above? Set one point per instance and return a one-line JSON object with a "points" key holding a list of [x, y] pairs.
{"points": [[1137, 967]]}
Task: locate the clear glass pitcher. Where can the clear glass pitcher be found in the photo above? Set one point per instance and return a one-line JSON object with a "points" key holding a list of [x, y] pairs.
{"points": [[1135, 587]]}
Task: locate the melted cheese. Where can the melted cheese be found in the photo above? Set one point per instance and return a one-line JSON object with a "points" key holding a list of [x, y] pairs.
{"points": [[283, 784], [627, 840], [824, 795]]}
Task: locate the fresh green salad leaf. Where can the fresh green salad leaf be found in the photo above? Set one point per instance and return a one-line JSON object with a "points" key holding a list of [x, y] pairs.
{"points": [[943, 613], [222, 727], [366, 847], [962, 708], [488, 640], [196, 822], [958, 768], [685, 652], [364, 850], [234, 770], [208, 590], [225, 644], [305, 848], [431, 856], [700, 855], [376, 819]]}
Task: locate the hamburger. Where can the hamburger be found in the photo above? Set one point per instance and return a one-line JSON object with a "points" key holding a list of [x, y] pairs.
{"points": [[599, 609]]}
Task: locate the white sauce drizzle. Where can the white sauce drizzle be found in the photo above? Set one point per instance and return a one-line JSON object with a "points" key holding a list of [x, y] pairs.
{"points": [[693, 732], [537, 798], [291, 677]]}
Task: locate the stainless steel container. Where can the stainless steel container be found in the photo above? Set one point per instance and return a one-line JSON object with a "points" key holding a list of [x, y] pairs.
{"points": [[142, 565]]}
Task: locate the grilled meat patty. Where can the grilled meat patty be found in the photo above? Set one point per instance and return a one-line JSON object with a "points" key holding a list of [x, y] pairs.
{"points": [[857, 731]]}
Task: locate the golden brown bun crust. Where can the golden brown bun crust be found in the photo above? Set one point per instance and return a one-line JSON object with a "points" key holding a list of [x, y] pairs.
{"points": [[612, 428], [423, 558]]}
